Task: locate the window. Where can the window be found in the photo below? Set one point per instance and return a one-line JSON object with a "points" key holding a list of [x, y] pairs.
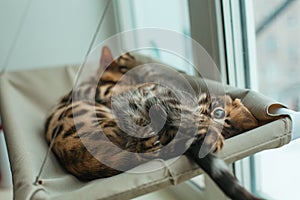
{"points": [[277, 27], [255, 45], [270, 54], [261, 35]]}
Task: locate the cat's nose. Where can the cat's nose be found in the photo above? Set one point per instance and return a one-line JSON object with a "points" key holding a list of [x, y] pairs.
{"points": [[227, 121]]}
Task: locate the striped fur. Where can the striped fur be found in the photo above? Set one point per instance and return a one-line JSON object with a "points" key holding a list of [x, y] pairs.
{"points": [[101, 117]]}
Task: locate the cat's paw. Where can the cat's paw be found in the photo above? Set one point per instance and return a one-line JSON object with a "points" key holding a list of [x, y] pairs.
{"points": [[155, 144], [218, 145], [151, 144], [209, 133]]}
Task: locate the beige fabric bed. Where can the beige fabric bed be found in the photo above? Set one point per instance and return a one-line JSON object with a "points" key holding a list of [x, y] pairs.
{"points": [[25, 98]]}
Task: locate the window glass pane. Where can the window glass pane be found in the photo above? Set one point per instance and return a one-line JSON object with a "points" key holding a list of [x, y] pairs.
{"points": [[277, 24], [157, 14]]}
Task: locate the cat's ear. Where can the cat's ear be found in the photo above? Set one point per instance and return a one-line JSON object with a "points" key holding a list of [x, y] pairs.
{"points": [[106, 57]]}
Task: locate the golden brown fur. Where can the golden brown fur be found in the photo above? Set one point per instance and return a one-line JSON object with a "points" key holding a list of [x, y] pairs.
{"points": [[88, 132]]}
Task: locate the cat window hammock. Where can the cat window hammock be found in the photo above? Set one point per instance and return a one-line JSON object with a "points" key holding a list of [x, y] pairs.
{"points": [[27, 96], [23, 110]]}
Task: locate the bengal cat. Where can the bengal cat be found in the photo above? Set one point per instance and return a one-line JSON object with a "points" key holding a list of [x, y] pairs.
{"points": [[93, 141]]}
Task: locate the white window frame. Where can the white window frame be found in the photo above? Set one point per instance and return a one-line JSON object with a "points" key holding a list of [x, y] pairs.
{"points": [[240, 37]]}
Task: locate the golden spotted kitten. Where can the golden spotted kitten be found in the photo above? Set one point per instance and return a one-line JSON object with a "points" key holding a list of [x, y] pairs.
{"points": [[105, 130]]}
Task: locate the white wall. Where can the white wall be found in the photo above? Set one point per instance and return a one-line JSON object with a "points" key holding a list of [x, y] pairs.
{"points": [[55, 32]]}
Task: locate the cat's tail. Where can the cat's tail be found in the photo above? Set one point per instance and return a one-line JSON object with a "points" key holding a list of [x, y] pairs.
{"points": [[221, 175]]}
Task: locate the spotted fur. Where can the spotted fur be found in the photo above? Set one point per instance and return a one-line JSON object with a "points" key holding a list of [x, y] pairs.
{"points": [[90, 126]]}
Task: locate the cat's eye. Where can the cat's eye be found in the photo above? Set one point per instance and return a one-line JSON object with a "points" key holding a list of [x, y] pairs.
{"points": [[219, 113]]}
